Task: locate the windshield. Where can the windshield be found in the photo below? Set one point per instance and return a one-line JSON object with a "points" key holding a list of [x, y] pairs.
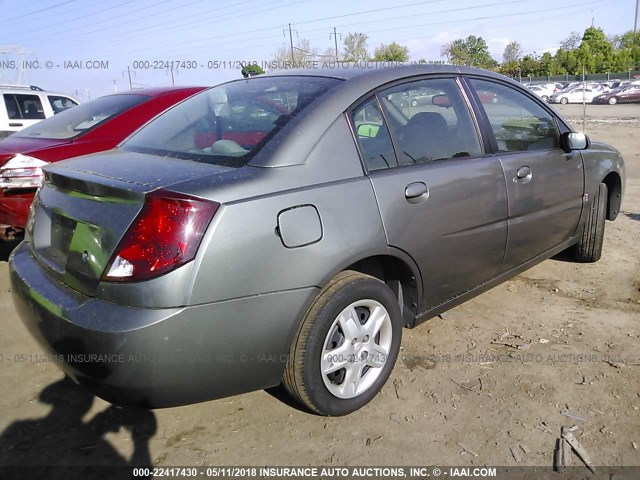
{"points": [[228, 124], [82, 118]]}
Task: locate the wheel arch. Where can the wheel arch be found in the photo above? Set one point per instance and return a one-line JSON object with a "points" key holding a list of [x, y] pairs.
{"points": [[399, 275], [614, 198]]}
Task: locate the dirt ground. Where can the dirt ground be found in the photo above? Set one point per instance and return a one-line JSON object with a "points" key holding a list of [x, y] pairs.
{"points": [[493, 374]]}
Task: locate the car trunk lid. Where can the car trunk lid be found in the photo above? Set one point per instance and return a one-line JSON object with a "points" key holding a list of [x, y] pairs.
{"points": [[85, 207]]}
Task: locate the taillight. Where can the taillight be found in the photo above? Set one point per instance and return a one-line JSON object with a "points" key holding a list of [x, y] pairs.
{"points": [[165, 235], [22, 171]]}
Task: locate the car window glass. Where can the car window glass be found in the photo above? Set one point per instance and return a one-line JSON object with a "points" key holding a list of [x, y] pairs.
{"points": [[30, 107], [13, 112], [59, 104], [228, 124], [373, 136], [76, 121], [518, 122], [431, 121]]}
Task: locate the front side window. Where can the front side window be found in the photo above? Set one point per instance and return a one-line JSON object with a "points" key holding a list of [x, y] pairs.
{"points": [[518, 122], [59, 104], [228, 124], [82, 118], [431, 121], [373, 136]]}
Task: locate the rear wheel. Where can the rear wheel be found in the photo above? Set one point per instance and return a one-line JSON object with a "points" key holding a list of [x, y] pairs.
{"points": [[613, 101], [589, 248], [346, 345]]}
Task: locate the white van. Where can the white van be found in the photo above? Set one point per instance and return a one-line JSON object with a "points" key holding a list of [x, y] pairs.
{"points": [[23, 105]]}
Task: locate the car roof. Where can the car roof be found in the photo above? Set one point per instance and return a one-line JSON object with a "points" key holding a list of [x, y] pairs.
{"points": [[27, 89], [379, 70]]}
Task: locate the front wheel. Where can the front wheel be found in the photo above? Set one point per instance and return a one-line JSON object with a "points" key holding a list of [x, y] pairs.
{"points": [[346, 346], [613, 101], [589, 248], [564, 100]]}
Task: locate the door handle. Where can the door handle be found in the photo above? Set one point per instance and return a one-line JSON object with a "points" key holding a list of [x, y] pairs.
{"points": [[523, 172], [416, 192], [523, 175], [15, 124]]}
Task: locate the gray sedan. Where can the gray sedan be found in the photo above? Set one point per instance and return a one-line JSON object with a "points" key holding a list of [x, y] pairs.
{"points": [[285, 228]]}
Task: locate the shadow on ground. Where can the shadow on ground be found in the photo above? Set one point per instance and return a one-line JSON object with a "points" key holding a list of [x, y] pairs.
{"points": [[632, 216], [64, 438]]}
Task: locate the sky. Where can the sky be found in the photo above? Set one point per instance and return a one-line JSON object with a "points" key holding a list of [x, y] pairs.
{"points": [[90, 48]]}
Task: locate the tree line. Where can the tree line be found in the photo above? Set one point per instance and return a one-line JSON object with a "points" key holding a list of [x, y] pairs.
{"points": [[591, 52]]}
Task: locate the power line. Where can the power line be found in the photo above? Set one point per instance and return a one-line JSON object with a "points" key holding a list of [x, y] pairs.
{"points": [[30, 14], [175, 25]]}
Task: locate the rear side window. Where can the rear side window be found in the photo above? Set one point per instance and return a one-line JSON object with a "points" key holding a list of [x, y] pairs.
{"points": [[82, 118], [373, 136], [24, 107], [228, 124], [431, 121], [13, 112], [59, 104], [518, 122]]}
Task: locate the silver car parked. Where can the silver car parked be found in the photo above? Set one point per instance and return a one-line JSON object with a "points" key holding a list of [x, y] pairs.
{"points": [[285, 228]]}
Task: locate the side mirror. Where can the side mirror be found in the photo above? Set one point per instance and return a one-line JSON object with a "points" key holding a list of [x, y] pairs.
{"points": [[575, 141], [441, 101]]}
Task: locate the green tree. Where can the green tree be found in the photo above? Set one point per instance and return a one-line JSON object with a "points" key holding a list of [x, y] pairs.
{"points": [[355, 48], [529, 66], [251, 70], [391, 53], [472, 51], [626, 40]]}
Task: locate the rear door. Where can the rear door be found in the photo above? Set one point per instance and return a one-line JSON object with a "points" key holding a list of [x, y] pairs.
{"points": [[544, 183], [442, 200], [23, 110]]}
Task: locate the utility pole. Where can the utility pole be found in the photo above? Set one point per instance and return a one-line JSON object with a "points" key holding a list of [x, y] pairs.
{"points": [[335, 37], [635, 23], [291, 42]]}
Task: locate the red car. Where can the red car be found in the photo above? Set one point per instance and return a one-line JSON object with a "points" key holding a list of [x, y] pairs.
{"points": [[92, 127]]}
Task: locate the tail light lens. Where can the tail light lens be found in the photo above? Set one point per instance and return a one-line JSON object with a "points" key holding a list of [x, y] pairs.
{"points": [[22, 171], [165, 235]]}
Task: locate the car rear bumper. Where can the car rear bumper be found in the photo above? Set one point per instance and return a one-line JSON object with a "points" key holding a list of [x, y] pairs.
{"points": [[14, 208], [157, 357]]}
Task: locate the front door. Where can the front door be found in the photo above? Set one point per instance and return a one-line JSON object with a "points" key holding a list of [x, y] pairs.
{"points": [[544, 183]]}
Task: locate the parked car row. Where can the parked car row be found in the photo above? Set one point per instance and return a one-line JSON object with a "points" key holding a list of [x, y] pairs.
{"points": [[24, 105], [285, 228], [91, 127], [611, 92]]}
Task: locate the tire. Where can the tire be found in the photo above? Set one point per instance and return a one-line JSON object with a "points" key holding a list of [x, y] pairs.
{"points": [[589, 248], [332, 347], [613, 101], [545, 98], [564, 100]]}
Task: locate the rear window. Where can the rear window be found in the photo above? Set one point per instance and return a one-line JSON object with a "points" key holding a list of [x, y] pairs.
{"points": [[228, 124], [82, 118]]}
